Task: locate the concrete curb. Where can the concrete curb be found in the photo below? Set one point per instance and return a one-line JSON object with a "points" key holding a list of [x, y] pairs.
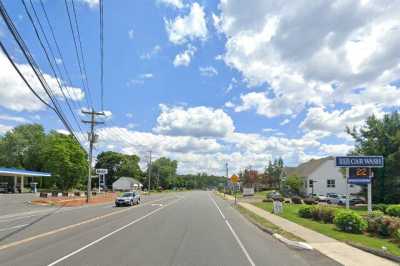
{"points": [[291, 243], [376, 252]]}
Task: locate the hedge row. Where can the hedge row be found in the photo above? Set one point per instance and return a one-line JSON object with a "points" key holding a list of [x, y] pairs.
{"points": [[349, 221]]}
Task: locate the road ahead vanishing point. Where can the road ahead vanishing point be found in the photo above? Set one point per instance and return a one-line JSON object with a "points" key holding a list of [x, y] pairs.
{"points": [[194, 228]]}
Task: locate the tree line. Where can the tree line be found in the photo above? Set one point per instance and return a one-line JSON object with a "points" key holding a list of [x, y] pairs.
{"points": [[29, 147]]}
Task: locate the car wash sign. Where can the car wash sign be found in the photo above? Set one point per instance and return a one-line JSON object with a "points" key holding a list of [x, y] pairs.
{"points": [[359, 161]]}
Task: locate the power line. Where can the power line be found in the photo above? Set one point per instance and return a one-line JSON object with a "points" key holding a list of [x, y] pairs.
{"points": [[81, 48], [48, 57], [10, 25], [82, 72], [23, 78], [59, 53]]}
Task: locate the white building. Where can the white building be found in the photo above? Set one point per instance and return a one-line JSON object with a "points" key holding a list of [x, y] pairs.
{"points": [[126, 184], [321, 176]]}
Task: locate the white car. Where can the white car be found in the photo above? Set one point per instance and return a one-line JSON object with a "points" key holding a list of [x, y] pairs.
{"points": [[334, 198], [128, 199]]}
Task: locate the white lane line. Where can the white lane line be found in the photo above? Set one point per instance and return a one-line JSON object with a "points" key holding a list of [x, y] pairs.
{"points": [[234, 234], [110, 234], [13, 227]]}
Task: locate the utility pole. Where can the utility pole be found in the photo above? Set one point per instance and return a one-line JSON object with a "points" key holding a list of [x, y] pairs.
{"points": [[158, 178], [227, 177], [149, 171], [92, 137]]}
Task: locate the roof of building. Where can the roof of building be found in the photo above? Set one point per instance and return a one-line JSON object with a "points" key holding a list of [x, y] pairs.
{"points": [[130, 179], [305, 169], [20, 172]]}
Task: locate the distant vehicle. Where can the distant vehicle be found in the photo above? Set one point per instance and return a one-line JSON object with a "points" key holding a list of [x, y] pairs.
{"points": [[356, 200], [334, 198], [320, 198], [128, 199]]}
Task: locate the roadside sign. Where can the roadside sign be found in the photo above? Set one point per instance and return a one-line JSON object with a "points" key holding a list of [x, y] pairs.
{"points": [[101, 171], [360, 161], [359, 175], [234, 179]]}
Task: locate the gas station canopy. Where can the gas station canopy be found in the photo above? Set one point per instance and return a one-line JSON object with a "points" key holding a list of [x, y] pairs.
{"points": [[20, 172]]}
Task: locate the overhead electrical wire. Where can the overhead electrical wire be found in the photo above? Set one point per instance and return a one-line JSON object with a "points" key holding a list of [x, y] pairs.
{"points": [[56, 108], [58, 50], [81, 47], [51, 63], [23, 77], [80, 63]]}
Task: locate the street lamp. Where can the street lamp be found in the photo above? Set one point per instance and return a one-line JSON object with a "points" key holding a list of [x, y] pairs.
{"points": [[312, 186]]}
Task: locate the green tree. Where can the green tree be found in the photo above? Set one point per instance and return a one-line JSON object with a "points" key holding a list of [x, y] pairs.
{"points": [[382, 137], [163, 173], [273, 173], [66, 160], [294, 183], [118, 165], [22, 146]]}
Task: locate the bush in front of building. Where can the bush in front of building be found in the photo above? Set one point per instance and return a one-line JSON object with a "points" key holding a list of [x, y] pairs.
{"points": [[306, 211], [327, 214], [310, 201], [349, 221], [380, 207], [296, 200], [388, 226], [373, 220], [393, 210]]}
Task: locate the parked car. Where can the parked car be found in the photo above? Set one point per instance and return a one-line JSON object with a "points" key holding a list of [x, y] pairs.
{"points": [[128, 199], [356, 200], [334, 198], [320, 198]]}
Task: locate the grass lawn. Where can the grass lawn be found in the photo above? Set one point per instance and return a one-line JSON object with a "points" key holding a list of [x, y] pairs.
{"points": [[265, 223], [290, 213]]}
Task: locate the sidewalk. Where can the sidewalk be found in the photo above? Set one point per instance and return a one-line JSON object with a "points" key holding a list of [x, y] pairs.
{"points": [[339, 251]]}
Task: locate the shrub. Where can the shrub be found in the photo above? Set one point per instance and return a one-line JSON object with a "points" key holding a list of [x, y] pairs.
{"points": [[287, 201], [349, 221], [388, 226], [296, 200], [267, 200], [393, 210], [316, 213], [396, 235], [373, 220], [327, 214], [380, 207], [306, 211], [310, 201]]}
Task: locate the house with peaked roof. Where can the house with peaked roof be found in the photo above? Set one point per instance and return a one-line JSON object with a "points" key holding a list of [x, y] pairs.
{"points": [[126, 184], [321, 176]]}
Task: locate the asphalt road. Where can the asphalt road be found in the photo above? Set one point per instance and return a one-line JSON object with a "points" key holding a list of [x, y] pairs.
{"points": [[194, 228]]}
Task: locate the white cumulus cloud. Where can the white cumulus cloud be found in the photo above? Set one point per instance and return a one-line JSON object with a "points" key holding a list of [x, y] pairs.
{"points": [[184, 58], [198, 121], [190, 27]]}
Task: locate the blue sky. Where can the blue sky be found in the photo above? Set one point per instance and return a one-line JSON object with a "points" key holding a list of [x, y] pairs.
{"points": [[209, 82]]}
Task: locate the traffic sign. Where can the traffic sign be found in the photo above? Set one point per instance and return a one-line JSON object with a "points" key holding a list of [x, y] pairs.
{"points": [[360, 161], [359, 175], [234, 179], [101, 171]]}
